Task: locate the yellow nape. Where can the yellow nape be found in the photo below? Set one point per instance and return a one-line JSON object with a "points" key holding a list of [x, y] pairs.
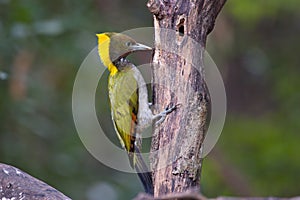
{"points": [[103, 51], [112, 69]]}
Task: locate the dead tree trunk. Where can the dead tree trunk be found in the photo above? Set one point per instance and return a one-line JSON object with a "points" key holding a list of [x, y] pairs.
{"points": [[177, 143]]}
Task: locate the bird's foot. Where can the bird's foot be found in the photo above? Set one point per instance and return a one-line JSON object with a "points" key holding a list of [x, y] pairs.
{"points": [[162, 116]]}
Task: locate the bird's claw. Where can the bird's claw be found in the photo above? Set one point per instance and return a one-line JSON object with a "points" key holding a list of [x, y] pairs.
{"points": [[170, 108]]}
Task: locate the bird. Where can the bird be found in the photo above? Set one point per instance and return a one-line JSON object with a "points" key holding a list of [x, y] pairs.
{"points": [[128, 97]]}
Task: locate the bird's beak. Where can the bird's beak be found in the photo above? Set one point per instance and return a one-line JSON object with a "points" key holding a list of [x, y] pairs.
{"points": [[133, 48], [139, 47]]}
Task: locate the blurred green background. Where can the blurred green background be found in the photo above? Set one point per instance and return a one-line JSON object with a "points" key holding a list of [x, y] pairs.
{"points": [[255, 44]]}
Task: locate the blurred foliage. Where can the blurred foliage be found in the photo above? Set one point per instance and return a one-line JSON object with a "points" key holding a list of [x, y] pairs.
{"points": [[255, 44], [254, 11]]}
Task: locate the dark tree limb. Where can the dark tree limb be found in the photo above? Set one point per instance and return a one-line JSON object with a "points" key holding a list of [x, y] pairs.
{"points": [[16, 184], [256, 198], [176, 144], [190, 195]]}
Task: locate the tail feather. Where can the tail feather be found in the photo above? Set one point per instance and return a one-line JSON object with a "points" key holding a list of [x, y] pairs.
{"points": [[143, 172]]}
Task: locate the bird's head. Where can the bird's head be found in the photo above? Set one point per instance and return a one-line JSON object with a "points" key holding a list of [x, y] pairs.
{"points": [[114, 46]]}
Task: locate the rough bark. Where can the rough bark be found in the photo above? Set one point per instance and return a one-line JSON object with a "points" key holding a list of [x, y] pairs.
{"points": [[16, 184], [176, 145]]}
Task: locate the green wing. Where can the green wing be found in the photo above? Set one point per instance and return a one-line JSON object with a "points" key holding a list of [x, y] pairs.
{"points": [[123, 92]]}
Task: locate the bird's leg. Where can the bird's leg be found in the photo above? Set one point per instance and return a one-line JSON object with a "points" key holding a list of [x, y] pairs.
{"points": [[162, 116], [138, 140]]}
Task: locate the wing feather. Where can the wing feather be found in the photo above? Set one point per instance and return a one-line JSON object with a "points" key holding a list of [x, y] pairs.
{"points": [[123, 92]]}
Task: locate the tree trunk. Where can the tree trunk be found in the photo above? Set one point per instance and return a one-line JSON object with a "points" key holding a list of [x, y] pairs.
{"points": [[181, 28]]}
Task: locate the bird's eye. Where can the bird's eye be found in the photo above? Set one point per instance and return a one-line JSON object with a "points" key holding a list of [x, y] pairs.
{"points": [[129, 44]]}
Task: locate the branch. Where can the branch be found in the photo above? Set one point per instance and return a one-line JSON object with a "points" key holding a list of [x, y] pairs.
{"points": [[256, 198], [192, 195], [16, 184]]}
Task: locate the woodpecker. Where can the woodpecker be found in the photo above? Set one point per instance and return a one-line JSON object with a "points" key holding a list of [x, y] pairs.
{"points": [[128, 98]]}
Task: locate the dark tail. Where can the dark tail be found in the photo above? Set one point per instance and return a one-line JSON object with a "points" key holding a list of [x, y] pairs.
{"points": [[143, 172]]}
